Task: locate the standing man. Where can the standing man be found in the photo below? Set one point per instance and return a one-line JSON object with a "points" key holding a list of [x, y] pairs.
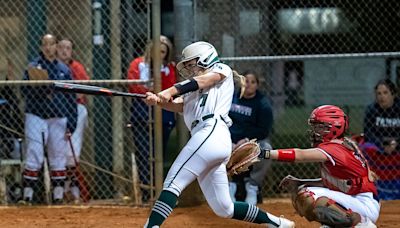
{"points": [[50, 117], [64, 53]]}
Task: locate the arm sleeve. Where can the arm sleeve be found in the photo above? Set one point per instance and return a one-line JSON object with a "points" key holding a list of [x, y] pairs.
{"points": [[170, 79], [33, 92], [71, 107], [80, 72], [133, 73]]}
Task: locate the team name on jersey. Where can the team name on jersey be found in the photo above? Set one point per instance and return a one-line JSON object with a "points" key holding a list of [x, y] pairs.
{"points": [[387, 122], [243, 110]]}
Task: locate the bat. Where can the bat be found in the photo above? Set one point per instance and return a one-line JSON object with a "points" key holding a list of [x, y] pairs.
{"points": [[84, 192], [135, 181], [46, 172], [93, 90]]}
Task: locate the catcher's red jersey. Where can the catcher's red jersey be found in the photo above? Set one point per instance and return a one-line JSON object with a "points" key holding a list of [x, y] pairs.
{"points": [[346, 170]]}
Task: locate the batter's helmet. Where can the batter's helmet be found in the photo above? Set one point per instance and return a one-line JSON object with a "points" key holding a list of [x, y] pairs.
{"points": [[327, 122], [204, 52]]}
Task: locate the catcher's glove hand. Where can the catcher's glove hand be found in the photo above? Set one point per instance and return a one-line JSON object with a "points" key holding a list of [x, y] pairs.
{"points": [[242, 157]]}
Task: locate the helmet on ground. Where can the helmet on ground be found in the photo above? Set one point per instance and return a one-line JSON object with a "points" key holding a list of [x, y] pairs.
{"points": [[204, 52], [327, 122]]}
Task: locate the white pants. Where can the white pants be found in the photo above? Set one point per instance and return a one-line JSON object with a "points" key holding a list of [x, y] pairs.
{"points": [[54, 137], [363, 203], [77, 136], [204, 157]]}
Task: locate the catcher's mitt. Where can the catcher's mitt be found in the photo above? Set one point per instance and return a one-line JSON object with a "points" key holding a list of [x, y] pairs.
{"points": [[242, 157]]}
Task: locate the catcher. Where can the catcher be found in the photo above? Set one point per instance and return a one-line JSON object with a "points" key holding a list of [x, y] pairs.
{"points": [[345, 195]]}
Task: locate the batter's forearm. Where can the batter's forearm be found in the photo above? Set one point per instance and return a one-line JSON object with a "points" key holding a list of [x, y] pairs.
{"points": [[172, 106]]}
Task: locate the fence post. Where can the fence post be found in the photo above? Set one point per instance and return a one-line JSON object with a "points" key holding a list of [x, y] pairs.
{"points": [[158, 143], [117, 103], [101, 70]]}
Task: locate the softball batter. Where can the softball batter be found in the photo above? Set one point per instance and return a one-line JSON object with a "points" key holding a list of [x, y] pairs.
{"points": [[205, 100]]}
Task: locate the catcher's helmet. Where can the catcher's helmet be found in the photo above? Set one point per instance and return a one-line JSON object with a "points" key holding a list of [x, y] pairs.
{"points": [[204, 52], [327, 122]]}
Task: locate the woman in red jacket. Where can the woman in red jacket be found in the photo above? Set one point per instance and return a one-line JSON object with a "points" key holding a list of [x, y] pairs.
{"points": [[140, 68]]}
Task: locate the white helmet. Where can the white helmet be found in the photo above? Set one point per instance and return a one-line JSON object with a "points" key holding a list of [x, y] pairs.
{"points": [[206, 53]]}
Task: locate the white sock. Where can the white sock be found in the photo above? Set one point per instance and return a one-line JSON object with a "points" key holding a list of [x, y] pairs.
{"points": [[58, 192], [75, 192], [28, 193]]}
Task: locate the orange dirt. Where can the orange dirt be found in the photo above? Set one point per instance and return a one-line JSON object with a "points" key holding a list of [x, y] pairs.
{"points": [[120, 216]]}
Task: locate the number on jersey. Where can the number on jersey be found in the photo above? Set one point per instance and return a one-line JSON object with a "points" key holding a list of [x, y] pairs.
{"points": [[203, 99]]}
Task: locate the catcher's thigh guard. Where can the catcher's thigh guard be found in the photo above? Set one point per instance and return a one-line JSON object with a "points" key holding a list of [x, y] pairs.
{"points": [[324, 210]]}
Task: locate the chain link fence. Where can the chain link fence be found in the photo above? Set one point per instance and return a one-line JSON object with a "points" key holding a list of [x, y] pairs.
{"points": [[114, 133], [309, 53], [306, 54]]}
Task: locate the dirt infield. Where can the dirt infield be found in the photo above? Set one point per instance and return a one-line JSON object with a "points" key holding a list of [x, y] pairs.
{"points": [[201, 216]]}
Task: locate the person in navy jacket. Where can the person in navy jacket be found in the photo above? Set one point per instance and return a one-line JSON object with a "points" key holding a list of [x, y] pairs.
{"points": [[50, 116]]}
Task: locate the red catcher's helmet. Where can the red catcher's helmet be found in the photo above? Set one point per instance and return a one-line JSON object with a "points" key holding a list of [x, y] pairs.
{"points": [[327, 122]]}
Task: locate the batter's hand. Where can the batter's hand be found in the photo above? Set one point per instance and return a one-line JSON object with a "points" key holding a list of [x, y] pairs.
{"points": [[165, 96], [151, 99]]}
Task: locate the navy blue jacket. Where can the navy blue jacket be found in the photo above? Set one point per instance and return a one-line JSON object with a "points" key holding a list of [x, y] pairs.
{"points": [[382, 124], [252, 118], [44, 101]]}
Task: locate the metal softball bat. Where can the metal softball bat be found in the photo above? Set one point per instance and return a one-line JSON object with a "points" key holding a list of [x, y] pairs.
{"points": [[93, 90]]}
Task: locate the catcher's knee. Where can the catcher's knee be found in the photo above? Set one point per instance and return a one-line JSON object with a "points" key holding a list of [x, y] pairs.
{"points": [[324, 210], [303, 203]]}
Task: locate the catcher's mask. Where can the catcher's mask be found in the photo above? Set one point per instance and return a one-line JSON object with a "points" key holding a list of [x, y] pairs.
{"points": [[327, 122], [204, 53]]}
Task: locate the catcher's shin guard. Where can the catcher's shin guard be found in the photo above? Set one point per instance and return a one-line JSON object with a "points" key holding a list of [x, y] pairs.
{"points": [[331, 213], [324, 210]]}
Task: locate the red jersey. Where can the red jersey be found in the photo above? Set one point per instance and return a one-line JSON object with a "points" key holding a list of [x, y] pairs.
{"points": [[140, 70], [78, 73], [346, 170]]}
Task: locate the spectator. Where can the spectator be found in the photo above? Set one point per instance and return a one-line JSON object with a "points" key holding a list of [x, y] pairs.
{"points": [[140, 68], [64, 53], [252, 118], [382, 135], [50, 116]]}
